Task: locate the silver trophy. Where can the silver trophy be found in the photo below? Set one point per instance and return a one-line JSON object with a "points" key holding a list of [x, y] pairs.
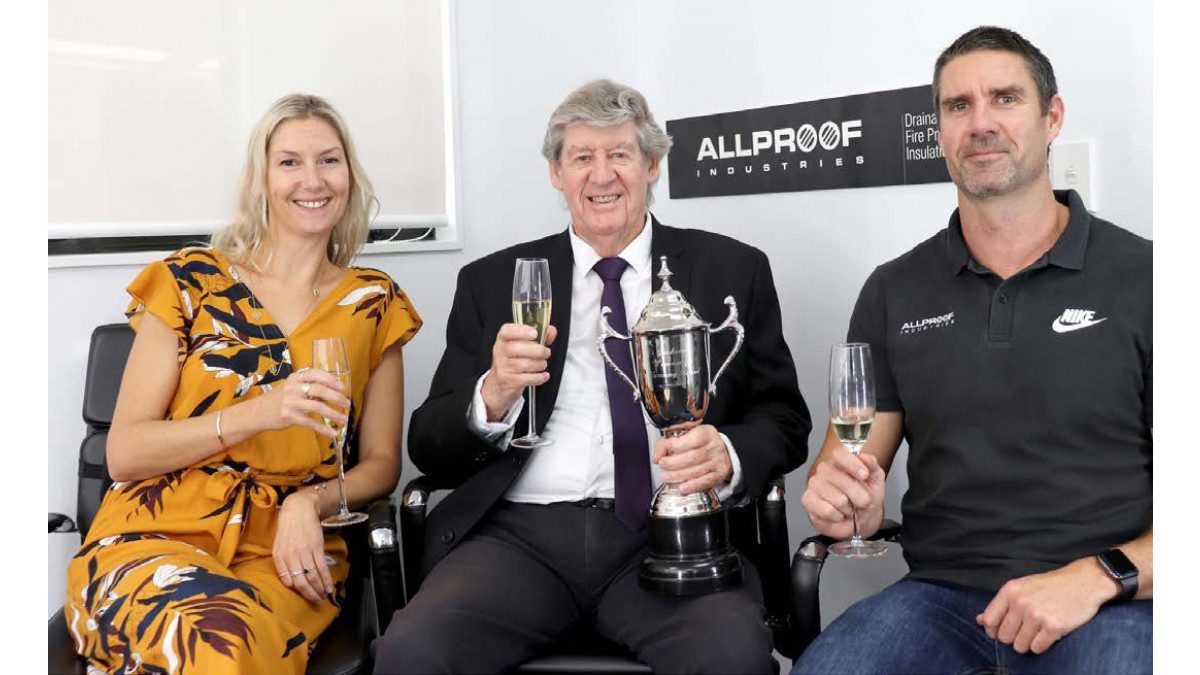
{"points": [[688, 535]]}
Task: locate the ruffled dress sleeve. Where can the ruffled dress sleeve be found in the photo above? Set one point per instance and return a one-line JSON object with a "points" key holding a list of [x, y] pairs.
{"points": [[169, 290], [399, 323]]}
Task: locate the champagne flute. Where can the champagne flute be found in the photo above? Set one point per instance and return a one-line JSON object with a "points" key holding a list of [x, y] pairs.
{"points": [[852, 412], [531, 306], [329, 354]]}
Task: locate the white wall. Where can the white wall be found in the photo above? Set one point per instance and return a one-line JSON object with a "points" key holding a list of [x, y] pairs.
{"points": [[517, 61]]}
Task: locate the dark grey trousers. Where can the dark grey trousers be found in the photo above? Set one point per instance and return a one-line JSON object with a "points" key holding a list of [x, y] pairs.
{"points": [[530, 573]]}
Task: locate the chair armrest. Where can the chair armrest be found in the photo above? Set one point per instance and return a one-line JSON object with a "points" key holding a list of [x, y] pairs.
{"points": [[61, 523], [386, 578], [773, 565], [806, 580], [414, 503]]}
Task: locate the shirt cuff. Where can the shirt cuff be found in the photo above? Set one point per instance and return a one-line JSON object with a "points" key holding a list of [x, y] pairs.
{"points": [[734, 487], [496, 433]]}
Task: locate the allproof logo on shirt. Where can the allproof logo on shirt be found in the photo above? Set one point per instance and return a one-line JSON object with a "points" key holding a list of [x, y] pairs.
{"points": [[919, 325]]}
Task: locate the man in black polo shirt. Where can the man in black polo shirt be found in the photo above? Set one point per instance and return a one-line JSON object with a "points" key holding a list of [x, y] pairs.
{"points": [[1013, 351]]}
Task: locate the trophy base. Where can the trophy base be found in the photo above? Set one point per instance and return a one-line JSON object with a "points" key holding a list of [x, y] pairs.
{"points": [[690, 555]]}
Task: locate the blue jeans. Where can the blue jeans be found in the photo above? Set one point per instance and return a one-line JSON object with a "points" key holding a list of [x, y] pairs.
{"points": [[922, 627]]}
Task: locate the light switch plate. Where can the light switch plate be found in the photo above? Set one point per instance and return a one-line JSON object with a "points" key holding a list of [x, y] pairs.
{"points": [[1072, 167]]}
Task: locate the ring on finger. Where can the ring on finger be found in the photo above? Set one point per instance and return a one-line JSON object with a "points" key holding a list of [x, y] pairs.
{"points": [[301, 572], [304, 389]]}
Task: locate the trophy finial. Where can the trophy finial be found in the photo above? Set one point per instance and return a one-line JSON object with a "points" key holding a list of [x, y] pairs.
{"points": [[665, 275]]}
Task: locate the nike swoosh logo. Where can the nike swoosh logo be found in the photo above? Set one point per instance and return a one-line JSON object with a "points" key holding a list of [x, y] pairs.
{"points": [[1060, 327]]}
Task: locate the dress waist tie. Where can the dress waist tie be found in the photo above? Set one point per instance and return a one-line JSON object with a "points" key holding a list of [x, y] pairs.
{"points": [[236, 489]]}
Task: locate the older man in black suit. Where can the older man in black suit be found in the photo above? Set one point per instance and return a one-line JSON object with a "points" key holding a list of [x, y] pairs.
{"points": [[536, 541]]}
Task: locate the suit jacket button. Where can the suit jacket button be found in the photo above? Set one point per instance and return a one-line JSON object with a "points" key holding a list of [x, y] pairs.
{"points": [[447, 536], [482, 456]]}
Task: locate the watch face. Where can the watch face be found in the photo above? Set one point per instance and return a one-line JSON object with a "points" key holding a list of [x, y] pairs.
{"points": [[1118, 563]]}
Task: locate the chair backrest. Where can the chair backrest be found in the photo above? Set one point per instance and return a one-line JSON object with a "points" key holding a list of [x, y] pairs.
{"points": [[106, 364]]}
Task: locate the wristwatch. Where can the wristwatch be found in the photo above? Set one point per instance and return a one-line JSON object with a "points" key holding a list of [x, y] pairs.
{"points": [[1122, 571]]}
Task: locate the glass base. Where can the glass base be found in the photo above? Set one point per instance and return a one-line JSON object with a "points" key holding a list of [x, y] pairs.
{"points": [[344, 519], [530, 441], [858, 548]]}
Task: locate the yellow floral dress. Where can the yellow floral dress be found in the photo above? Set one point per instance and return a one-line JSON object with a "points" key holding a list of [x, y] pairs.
{"points": [[176, 574]]}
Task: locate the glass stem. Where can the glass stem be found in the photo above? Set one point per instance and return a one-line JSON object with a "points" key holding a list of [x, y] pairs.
{"points": [[855, 538], [532, 411], [341, 467]]}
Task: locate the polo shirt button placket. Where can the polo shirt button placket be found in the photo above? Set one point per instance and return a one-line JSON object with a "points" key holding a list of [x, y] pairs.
{"points": [[1000, 323]]}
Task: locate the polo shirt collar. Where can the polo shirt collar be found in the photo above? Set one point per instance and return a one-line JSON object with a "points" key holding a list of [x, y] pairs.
{"points": [[1068, 252]]}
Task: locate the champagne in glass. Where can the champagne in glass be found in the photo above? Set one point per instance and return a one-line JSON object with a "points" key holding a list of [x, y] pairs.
{"points": [[329, 354], [535, 313], [852, 412], [531, 298], [852, 431]]}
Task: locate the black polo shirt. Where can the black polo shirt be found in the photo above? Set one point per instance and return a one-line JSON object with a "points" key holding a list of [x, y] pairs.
{"points": [[1026, 401]]}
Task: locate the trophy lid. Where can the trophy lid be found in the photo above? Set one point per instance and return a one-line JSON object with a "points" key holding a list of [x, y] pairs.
{"points": [[667, 309]]}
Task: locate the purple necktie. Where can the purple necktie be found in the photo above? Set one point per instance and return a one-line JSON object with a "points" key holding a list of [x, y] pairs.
{"points": [[631, 449]]}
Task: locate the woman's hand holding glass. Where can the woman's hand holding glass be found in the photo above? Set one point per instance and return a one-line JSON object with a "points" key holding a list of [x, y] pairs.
{"points": [[306, 397], [302, 400]]}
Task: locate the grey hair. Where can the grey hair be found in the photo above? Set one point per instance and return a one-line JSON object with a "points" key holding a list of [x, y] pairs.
{"points": [[1004, 40], [604, 103], [247, 234]]}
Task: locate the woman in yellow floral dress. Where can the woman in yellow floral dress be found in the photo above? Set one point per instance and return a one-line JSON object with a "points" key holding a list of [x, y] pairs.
{"points": [[207, 555]]}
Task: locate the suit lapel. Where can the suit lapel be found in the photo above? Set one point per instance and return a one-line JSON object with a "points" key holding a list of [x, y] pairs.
{"points": [[562, 263], [665, 241]]}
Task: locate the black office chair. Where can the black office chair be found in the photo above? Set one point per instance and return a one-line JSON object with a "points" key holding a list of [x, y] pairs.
{"points": [[806, 580], [759, 531], [373, 589]]}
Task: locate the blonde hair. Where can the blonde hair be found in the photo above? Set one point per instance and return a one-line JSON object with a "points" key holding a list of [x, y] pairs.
{"points": [[245, 236]]}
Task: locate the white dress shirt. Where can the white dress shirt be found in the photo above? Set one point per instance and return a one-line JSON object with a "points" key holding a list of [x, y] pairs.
{"points": [[579, 464]]}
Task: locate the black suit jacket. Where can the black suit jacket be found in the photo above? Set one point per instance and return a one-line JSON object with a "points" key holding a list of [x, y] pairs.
{"points": [[757, 405]]}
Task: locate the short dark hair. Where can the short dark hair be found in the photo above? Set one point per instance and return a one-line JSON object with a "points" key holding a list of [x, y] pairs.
{"points": [[1005, 40]]}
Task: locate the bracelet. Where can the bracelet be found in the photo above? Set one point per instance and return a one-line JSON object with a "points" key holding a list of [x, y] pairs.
{"points": [[321, 487], [220, 438]]}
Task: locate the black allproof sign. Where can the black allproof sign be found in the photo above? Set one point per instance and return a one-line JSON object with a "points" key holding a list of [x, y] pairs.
{"points": [[867, 140]]}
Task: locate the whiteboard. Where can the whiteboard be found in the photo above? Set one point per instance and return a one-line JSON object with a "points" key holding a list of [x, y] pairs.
{"points": [[151, 102]]}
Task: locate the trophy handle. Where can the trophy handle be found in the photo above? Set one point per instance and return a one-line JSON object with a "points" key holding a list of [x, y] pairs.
{"points": [[606, 332], [730, 321]]}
